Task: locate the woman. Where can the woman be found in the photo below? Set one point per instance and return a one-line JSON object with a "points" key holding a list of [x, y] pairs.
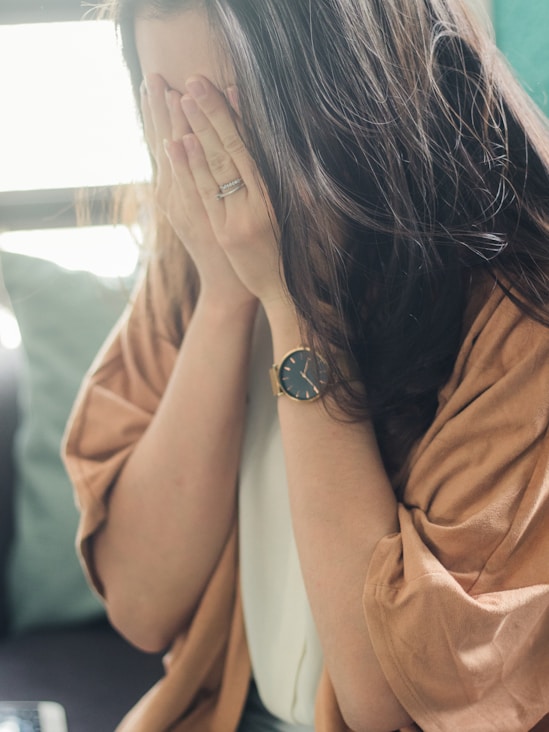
{"points": [[360, 184]]}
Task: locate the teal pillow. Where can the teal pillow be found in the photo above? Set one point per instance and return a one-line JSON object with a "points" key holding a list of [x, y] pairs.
{"points": [[521, 32], [64, 316]]}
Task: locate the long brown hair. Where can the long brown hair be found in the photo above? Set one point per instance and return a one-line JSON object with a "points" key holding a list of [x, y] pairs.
{"points": [[401, 159]]}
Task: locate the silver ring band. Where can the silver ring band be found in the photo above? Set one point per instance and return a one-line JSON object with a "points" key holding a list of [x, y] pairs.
{"points": [[227, 189], [231, 184]]}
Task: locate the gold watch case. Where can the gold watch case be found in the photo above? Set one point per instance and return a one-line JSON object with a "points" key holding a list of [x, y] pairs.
{"points": [[301, 375]]}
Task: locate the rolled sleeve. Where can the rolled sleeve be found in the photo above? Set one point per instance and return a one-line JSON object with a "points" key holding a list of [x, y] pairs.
{"points": [[115, 405], [457, 602]]}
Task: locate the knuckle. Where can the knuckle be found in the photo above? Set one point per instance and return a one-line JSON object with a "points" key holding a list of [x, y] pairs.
{"points": [[207, 191], [200, 128], [210, 106], [219, 162], [233, 145]]}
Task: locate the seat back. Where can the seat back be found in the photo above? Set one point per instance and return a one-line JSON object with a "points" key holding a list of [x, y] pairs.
{"points": [[10, 364]]}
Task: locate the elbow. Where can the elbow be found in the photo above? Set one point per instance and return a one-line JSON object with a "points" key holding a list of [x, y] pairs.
{"points": [[138, 615], [359, 725], [360, 720], [141, 628], [145, 642], [373, 712]]}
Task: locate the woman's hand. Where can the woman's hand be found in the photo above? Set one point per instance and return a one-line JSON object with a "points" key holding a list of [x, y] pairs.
{"points": [[178, 197], [207, 153]]}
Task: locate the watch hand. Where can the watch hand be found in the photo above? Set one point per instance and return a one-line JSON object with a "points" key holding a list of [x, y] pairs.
{"points": [[307, 378], [305, 369]]}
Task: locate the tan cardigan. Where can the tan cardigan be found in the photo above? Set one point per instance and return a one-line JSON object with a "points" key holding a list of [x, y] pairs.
{"points": [[456, 602]]}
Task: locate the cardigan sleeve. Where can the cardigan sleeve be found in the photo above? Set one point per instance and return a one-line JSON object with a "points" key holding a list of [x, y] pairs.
{"points": [[116, 403], [457, 602], [207, 669]]}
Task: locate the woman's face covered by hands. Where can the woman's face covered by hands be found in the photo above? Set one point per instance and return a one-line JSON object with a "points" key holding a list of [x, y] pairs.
{"points": [[190, 114]]}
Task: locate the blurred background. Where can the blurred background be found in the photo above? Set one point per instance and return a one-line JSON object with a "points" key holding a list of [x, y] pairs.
{"points": [[69, 123]]}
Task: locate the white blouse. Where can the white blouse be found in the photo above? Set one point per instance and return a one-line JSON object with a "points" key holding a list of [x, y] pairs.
{"points": [[284, 646]]}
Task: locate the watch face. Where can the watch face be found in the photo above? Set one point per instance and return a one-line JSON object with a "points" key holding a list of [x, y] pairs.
{"points": [[302, 376]]}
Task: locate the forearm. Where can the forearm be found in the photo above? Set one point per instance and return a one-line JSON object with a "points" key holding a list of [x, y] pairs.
{"points": [[342, 504], [172, 508]]}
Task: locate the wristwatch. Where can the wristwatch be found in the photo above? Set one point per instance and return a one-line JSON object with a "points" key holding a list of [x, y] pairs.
{"points": [[301, 375]]}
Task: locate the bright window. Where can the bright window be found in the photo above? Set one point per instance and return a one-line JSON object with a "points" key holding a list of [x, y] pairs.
{"points": [[68, 116], [68, 121], [108, 251]]}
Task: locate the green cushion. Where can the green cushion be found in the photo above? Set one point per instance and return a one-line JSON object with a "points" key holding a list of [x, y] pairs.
{"points": [[521, 32], [64, 316]]}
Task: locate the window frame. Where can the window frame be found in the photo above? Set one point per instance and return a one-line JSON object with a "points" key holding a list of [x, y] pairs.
{"points": [[42, 11], [56, 207]]}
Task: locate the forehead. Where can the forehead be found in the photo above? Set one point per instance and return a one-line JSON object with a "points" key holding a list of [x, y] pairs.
{"points": [[179, 46]]}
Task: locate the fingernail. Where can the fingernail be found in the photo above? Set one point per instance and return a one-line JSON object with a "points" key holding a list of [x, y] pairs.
{"points": [[166, 144], [169, 98], [149, 84], [197, 88], [232, 96]]}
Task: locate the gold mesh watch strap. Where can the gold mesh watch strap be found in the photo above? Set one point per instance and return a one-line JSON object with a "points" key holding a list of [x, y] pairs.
{"points": [[275, 384]]}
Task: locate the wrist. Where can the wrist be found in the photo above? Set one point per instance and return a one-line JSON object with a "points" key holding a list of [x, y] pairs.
{"points": [[225, 309], [284, 324], [328, 370]]}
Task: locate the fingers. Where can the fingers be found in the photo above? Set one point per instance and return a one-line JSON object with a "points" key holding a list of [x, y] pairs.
{"points": [[179, 152], [212, 122], [148, 126], [221, 165], [179, 123], [155, 112], [232, 96], [204, 149], [198, 174], [162, 121]]}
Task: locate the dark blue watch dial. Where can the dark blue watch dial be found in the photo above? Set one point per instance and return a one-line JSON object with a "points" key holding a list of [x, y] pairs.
{"points": [[302, 376]]}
